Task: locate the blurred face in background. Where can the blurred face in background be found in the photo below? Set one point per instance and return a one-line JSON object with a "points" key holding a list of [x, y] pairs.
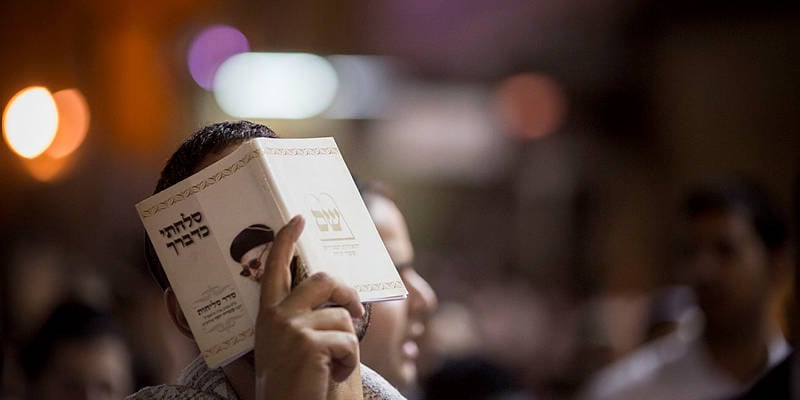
{"points": [[390, 346], [92, 369], [729, 267]]}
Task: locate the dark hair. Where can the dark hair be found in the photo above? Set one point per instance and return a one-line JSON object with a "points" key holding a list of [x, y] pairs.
{"points": [[207, 140], [71, 321], [764, 216]]}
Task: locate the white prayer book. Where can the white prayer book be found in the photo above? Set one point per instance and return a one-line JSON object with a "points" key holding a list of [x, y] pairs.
{"points": [[212, 232]]}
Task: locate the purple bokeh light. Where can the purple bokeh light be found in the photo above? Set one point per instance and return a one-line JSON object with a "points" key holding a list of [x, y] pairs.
{"points": [[210, 49]]}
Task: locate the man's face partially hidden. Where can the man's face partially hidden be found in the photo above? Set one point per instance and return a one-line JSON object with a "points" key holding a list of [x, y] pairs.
{"points": [[360, 324]]}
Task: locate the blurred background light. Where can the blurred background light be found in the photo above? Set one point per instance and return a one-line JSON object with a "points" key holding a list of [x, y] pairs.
{"points": [[46, 168], [439, 133], [530, 105], [210, 49], [30, 121], [275, 85], [73, 122], [364, 86]]}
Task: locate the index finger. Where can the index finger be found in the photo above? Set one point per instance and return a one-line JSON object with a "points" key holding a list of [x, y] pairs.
{"points": [[277, 278], [320, 289]]}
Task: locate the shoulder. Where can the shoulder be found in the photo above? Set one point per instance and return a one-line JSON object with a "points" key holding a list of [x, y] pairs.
{"points": [[197, 381], [199, 377], [375, 387], [171, 392], [637, 372]]}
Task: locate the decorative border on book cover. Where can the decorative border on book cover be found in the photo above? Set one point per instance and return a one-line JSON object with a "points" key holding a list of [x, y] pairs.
{"points": [[374, 287], [227, 343], [205, 183], [298, 151], [316, 151]]}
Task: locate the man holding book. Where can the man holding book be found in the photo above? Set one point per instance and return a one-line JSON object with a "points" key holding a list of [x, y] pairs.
{"points": [[306, 333]]}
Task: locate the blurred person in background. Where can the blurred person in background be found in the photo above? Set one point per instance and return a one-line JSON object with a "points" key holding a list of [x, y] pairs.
{"points": [[737, 260], [782, 381], [302, 349], [672, 321], [390, 345], [79, 353]]}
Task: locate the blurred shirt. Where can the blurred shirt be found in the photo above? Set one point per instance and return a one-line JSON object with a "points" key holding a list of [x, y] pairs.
{"points": [[199, 382], [781, 383], [675, 367]]}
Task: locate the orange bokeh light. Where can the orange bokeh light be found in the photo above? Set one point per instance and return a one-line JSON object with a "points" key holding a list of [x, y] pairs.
{"points": [[44, 129], [46, 168], [530, 105], [73, 122]]}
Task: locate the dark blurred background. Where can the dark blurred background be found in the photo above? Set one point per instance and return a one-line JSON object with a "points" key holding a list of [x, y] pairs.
{"points": [[539, 149]]}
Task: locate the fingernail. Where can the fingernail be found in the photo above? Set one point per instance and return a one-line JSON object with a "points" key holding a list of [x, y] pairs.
{"points": [[295, 220]]}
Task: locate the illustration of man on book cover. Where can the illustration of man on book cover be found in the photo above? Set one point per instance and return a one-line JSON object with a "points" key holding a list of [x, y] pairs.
{"points": [[250, 248]]}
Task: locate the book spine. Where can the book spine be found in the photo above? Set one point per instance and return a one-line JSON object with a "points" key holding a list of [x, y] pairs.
{"points": [[281, 205], [274, 194]]}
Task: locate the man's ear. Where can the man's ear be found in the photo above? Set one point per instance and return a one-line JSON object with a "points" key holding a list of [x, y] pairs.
{"points": [[176, 314]]}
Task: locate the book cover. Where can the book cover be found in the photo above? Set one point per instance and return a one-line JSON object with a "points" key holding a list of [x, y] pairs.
{"points": [[212, 232]]}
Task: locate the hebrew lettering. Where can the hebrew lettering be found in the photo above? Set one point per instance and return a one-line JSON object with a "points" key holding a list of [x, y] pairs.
{"points": [[179, 229]]}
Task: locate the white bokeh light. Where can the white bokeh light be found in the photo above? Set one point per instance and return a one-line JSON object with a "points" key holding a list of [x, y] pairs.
{"points": [[275, 85], [30, 121], [365, 86]]}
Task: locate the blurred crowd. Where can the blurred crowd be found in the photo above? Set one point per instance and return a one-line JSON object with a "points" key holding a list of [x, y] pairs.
{"points": [[710, 334]]}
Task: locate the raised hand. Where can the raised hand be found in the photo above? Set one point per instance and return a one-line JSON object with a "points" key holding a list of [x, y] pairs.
{"points": [[301, 345]]}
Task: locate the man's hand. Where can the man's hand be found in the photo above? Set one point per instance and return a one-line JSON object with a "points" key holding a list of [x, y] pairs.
{"points": [[299, 345]]}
